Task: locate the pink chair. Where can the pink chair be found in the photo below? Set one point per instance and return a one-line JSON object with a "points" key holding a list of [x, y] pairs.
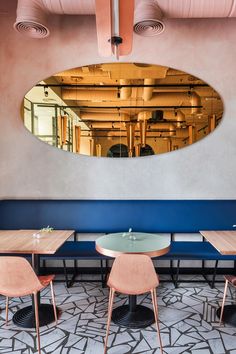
{"points": [[133, 274], [229, 279], [18, 279]]}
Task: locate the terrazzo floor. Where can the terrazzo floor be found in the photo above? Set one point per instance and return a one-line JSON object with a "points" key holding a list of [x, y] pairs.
{"points": [[187, 319]]}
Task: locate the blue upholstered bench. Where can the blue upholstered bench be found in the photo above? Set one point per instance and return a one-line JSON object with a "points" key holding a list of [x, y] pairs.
{"points": [[179, 250], [82, 250], [194, 250]]}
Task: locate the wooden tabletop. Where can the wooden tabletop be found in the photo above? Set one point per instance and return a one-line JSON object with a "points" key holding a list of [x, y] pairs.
{"points": [[22, 241], [223, 241]]}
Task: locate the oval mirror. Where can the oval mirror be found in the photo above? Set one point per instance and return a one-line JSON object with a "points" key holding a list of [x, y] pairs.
{"points": [[122, 110]]}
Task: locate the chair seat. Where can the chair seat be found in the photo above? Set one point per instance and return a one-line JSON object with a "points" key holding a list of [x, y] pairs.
{"points": [[46, 279], [231, 279]]}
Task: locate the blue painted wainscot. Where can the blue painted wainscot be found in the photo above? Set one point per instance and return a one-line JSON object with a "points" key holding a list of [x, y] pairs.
{"points": [[119, 215]]}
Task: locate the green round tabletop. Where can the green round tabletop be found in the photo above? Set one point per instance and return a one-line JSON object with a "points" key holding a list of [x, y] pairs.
{"points": [[153, 245]]}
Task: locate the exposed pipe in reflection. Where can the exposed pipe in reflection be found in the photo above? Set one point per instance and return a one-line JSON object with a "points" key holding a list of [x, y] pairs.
{"points": [[137, 150], [98, 150], [130, 126], [91, 147], [76, 138]]}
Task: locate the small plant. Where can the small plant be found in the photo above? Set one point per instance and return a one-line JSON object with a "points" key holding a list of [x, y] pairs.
{"points": [[46, 229]]}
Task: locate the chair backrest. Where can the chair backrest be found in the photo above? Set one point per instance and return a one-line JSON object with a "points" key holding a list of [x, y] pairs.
{"points": [[17, 278], [135, 272]]}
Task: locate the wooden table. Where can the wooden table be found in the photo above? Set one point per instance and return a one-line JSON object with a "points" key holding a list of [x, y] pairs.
{"points": [[133, 315], [225, 243], [23, 242]]}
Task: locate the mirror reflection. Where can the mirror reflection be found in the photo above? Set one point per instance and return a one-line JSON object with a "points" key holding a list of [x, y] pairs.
{"points": [[122, 110]]}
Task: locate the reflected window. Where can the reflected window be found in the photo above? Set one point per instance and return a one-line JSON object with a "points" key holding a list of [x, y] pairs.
{"points": [[118, 150], [146, 151]]}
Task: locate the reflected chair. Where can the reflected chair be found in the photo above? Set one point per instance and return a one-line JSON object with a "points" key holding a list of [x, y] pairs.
{"points": [[19, 279], [133, 274], [229, 279]]}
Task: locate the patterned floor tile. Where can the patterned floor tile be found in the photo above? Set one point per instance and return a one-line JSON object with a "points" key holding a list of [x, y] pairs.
{"points": [[188, 323]]}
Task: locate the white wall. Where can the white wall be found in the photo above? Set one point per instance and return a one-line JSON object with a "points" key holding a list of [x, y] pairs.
{"points": [[30, 168]]}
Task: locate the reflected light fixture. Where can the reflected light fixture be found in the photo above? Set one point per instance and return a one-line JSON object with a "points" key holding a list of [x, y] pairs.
{"points": [[45, 89]]}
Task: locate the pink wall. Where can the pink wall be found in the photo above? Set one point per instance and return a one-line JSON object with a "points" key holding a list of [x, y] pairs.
{"points": [[31, 169]]}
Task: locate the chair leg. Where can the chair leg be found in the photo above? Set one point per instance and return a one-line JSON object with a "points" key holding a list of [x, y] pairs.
{"points": [[65, 273], [214, 275], [7, 303], [155, 307], [53, 301], [37, 320], [223, 302], [110, 304], [177, 274]]}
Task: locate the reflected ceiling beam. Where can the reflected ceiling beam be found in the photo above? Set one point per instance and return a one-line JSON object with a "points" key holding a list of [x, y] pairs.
{"points": [[123, 107], [120, 85]]}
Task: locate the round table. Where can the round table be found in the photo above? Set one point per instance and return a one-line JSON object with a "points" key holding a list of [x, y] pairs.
{"points": [[113, 245]]}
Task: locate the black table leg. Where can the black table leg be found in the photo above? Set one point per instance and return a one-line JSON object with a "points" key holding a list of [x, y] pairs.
{"points": [[229, 315], [25, 317], [133, 315]]}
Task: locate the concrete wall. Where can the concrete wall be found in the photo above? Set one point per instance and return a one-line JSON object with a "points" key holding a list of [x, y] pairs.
{"points": [[31, 169]]}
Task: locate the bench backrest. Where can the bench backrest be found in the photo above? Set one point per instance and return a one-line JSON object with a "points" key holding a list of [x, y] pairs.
{"points": [[119, 215]]}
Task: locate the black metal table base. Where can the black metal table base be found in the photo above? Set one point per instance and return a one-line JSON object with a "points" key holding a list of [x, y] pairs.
{"points": [[142, 317], [229, 315], [25, 317]]}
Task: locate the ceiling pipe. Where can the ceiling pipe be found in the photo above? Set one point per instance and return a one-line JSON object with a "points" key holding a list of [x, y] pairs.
{"points": [[123, 134], [159, 99], [147, 91], [32, 19], [125, 92], [107, 125], [195, 100], [137, 150], [148, 18], [180, 118], [32, 16], [169, 87], [104, 116], [142, 119], [143, 132], [163, 126], [130, 126], [90, 95]]}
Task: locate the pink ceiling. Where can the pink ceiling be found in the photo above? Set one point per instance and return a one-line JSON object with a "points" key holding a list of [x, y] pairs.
{"points": [[32, 16], [197, 8]]}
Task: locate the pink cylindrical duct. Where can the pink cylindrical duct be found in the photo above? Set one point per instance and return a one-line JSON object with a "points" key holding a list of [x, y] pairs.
{"points": [[31, 19], [147, 18], [70, 7], [32, 14]]}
